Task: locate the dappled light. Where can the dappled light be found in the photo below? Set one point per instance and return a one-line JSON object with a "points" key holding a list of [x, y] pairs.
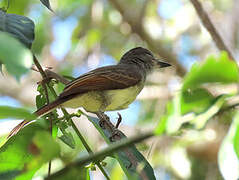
{"points": [[117, 89]]}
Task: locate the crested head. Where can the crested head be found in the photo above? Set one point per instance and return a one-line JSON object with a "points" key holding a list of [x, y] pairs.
{"points": [[143, 58]]}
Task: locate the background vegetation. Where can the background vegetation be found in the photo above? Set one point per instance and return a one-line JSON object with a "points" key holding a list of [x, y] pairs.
{"points": [[191, 107]]}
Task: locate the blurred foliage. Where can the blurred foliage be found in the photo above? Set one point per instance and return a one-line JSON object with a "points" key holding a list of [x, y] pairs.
{"points": [[18, 113], [195, 99], [14, 55], [26, 152], [196, 105], [21, 27], [198, 119]]}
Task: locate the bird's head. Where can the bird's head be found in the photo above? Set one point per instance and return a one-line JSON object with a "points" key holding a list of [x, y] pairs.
{"points": [[143, 58]]}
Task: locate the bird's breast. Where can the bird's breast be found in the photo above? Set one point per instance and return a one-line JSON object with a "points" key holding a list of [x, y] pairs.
{"points": [[121, 98], [108, 100]]}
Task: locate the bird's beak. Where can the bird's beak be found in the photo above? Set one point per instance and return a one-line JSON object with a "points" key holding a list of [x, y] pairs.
{"points": [[162, 64]]}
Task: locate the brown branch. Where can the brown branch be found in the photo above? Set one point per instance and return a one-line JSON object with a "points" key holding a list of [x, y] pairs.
{"points": [[44, 76], [234, 23], [211, 28], [143, 10], [154, 45]]}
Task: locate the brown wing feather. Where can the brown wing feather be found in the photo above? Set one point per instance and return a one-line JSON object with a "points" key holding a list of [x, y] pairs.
{"points": [[105, 78], [40, 112]]}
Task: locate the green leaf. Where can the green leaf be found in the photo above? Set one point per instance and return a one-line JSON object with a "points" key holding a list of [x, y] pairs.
{"points": [[117, 173], [20, 27], [18, 113], [200, 108], [196, 100], [76, 173], [213, 70], [40, 101], [161, 127], [68, 139], [47, 4], [133, 163], [228, 153], [194, 104], [172, 121], [27, 151], [235, 127], [54, 131], [15, 56], [200, 120], [236, 141], [87, 174]]}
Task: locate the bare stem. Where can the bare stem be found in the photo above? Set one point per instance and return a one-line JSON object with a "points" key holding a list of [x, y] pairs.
{"points": [[87, 147], [44, 76], [124, 143], [211, 28]]}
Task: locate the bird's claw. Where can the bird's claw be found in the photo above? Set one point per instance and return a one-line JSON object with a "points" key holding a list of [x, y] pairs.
{"points": [[118, 121], [115, 135]]}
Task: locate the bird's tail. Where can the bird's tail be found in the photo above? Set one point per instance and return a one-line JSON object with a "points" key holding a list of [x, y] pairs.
{"points": [[40, 112]]}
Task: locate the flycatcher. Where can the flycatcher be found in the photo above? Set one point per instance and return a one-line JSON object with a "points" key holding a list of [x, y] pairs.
{"points": [[106, 88]]}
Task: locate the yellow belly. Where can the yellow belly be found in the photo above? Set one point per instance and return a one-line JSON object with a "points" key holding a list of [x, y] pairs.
{"points": [[109, 100], [120, 99]]}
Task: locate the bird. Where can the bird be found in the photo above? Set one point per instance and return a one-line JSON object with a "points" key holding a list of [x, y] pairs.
{"points": [[106, 88]]}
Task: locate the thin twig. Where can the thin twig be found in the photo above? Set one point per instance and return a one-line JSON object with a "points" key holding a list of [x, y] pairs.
{"points": [[89, 149], [118, 121], [211, 28], [36, 62], [44, 76], [50, 128]]}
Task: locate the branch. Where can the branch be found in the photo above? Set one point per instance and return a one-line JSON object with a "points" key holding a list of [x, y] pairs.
{"points": [[44, 76], [234, 23], [211, 28], [143, 9], [88, 148], [137, 28], [101, 154]]}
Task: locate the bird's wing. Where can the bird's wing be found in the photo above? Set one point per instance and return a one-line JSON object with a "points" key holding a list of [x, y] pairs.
{"points": [[104, 78]]}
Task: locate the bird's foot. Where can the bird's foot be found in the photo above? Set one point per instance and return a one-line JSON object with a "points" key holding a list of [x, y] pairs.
{"points": [[116, 135], [105, 123], [102, 124], [118, 121], [104, 119]]}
